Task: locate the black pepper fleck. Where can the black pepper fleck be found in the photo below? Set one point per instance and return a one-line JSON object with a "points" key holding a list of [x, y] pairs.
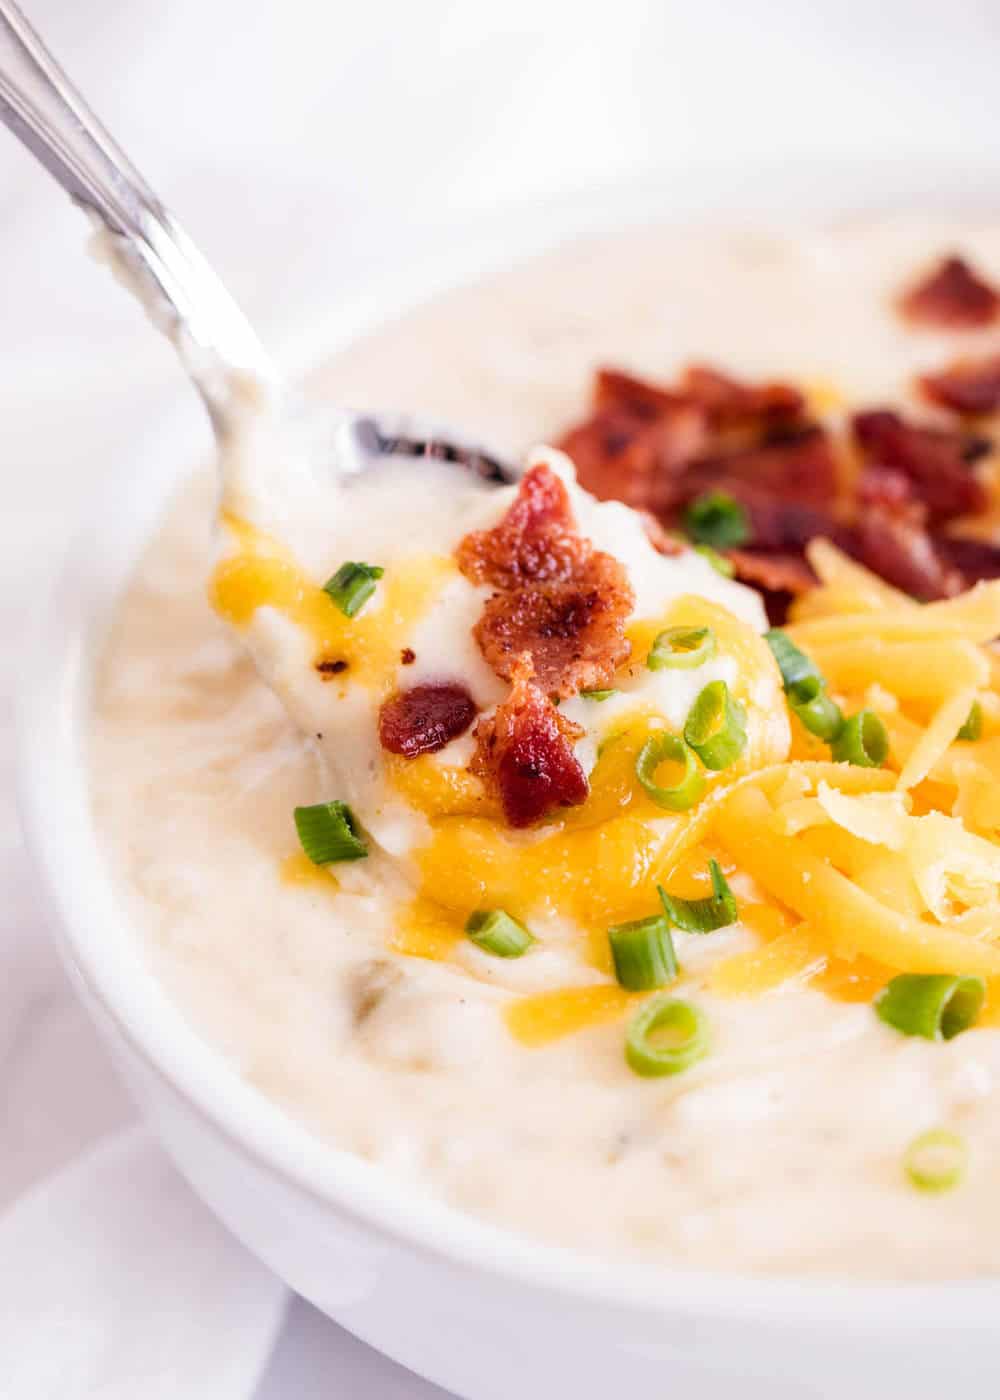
{"points": [[330, 668]]}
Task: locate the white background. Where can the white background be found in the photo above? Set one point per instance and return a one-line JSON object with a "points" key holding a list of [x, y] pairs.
{"points": [[312, 144]]}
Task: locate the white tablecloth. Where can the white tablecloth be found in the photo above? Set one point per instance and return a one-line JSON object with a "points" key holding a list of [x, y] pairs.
{"points": [[300, 139]]}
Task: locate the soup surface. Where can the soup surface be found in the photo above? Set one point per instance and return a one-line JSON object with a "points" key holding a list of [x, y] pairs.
{"points": [[350, 994]]}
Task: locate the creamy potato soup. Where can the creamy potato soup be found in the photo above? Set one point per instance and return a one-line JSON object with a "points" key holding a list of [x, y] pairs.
{"points": [[622, 871]]}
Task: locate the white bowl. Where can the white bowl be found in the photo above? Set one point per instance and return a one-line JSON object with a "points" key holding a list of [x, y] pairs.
{"points": [[480, 1311]]}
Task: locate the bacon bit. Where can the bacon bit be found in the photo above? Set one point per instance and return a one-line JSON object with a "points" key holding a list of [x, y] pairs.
{"points": [[726, 401], [800, 467], [613, 388], [425, 718], [407, 656], [572, 631], [778, 576], [559, 602], [902, 552], [535, 542], [776, 572], [778, 524], [953, 296], [969, 386], [623, 456], [888, 488], [657, 448], [934, 462], [524, 754], [723, 400]]}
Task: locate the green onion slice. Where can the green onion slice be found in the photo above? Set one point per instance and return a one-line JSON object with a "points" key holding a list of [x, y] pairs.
{"points": [[936, 1160], [597, 695], [329, 832], [497, 932], [681, 648], [863, 741], [662, 748], [972, 729], [805, 687], [643, 953], [717, 910], [719, 564], [716, 727], [793, 664], [815, 711], [934, 1005], [665, 1036], [352, 585], [718, 520]]}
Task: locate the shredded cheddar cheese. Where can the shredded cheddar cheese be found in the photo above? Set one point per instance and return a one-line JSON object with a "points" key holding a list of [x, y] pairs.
{"points": [[548, 1016]]}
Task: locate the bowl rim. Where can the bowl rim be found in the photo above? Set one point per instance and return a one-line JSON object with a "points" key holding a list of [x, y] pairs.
{"points": [[95, 939]]}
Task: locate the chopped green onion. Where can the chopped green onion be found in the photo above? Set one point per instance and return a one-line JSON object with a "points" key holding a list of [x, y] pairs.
{"points": [[662, 748], [643, 953], [793, 664], [329, 832], [352, 585], [647, 1053], [597, 695], [718, 562], [495, 931], [936, 1160], [717, 910], [718, 520], [681, 648], [815, 711], [972, 729], [805, 688], [716, 727], [863, 741], [934, 1005]]}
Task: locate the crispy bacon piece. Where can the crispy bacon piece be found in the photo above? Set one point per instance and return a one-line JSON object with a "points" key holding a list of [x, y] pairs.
{"points": [[425, 718], [659, 448], [772, 572], [799, 468], [779, 576], [727, 401], [525, 756], [615, 389], [573, 631], [535, 542], [559, 601], [952, 296], [904, 554], [934, 462], [621, 455], [723, 400], [969, 386]]}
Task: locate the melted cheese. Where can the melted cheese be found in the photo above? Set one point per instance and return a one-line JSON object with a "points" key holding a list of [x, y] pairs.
{"points": [[262, 574], [298, 869], [423, 929]]}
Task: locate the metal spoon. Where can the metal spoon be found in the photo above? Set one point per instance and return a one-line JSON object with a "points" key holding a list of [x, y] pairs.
{"points": [[217, 344]]}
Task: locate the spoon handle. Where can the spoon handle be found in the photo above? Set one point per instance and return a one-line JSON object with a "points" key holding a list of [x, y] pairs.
{"points": [[42, 108]]}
